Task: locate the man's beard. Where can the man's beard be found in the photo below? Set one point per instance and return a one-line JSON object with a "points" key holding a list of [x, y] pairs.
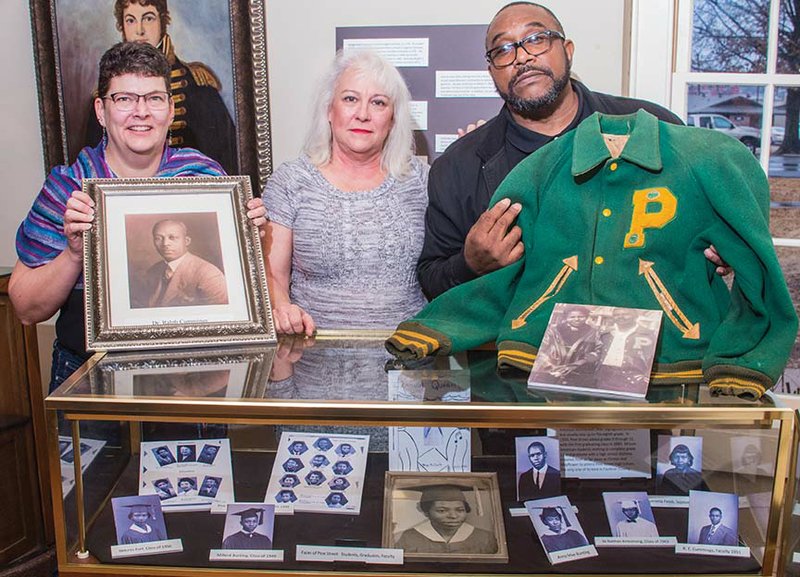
{"points": [[541, 106]]}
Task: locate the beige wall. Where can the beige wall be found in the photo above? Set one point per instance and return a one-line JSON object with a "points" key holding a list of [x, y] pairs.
{"points": [[292, 72], [21, 164], [310, 27]]}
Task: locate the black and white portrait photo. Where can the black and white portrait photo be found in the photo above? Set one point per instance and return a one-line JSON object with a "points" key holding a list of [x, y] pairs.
{"points": [[336, 500], [538, 468], [210, 486], [208, 454], [187, 453], [164, 456], [138, 519], [187, 486], [713, 518], [597, 349], [629, 514], [323, 444], [297, 448], [452, 517], [164, 489], [680, 465], [249, 527], [556, 524]]}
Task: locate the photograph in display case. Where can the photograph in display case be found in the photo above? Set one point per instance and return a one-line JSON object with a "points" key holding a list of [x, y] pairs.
{"points": [[187, 485], [597, 350], [680, 465], [217, 54], [167, 277], [249, 526], [629, 514], [558, 529], [319, 472], [444, 517], [538, 468], [138, 519], [713, 518]]}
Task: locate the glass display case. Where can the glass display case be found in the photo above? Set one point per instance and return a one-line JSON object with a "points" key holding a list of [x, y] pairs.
{"points": [[446, 432]]}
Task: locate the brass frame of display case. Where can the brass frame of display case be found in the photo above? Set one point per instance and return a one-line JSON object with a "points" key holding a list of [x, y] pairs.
{"points": [[384, 413]]}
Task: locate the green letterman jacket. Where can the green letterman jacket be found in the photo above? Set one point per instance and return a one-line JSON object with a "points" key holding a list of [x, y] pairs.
{"points": [[630, 231]]}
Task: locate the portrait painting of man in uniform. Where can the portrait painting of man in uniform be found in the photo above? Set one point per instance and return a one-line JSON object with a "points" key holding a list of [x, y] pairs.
{"points": [[208, 44]]}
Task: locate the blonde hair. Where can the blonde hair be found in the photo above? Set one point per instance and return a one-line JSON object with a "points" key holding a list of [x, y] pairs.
{"points": [[398, 149]]}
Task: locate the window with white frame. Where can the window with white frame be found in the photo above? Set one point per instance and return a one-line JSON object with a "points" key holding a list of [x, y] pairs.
{"points": [[737, 70]]}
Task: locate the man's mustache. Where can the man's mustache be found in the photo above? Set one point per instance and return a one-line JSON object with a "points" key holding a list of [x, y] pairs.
{"points": [[530, 68]]}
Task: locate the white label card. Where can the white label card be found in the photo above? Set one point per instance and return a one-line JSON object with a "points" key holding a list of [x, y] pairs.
{"points": [[715, 550], [152, 548], [635, 541], [398, 51], [245, 555], [669, 501], [350, 554], [572, 554], [443, 141], [464, 84], [419, 114], [605, 454]]}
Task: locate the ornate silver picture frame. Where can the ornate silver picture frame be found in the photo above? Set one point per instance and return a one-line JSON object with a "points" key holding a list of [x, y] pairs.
{"points": [[174, 263]]}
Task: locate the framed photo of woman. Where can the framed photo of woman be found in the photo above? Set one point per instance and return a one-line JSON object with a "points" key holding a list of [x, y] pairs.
{"points": [[444, 517]]}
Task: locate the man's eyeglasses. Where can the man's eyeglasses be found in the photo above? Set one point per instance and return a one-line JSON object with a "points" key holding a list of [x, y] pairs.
{"points": [[127, 101], [536, 44]]}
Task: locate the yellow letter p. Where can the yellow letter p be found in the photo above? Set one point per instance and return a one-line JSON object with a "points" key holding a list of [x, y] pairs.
{"points": [[652, 208]]}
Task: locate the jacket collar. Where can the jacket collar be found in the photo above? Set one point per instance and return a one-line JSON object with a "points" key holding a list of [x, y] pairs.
{"points": [[590, 150]]}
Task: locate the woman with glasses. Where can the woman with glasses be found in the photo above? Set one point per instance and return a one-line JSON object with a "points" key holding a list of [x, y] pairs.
{"points": [[135, 109], [347, 217]]}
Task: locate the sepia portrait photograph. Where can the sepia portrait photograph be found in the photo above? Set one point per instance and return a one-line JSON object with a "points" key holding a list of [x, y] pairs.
{"points": [[169, 277], [538, 468], [444, 517], [214, 49], [597, 350], [175, 260]]}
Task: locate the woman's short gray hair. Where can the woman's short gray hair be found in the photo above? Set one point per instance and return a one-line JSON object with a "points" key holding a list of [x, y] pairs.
{"points": [[399, 146]]}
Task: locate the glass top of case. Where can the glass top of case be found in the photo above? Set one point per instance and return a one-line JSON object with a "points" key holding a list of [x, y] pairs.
{"points": [[347, 368]]}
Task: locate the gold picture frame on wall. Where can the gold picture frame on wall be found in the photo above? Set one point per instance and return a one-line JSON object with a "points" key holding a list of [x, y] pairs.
{"points": [[174, 263], [219, 74], [472, 500]]}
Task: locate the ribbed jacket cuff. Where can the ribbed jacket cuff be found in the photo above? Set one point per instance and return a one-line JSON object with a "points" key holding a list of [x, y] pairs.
{"points": [[413, 340], [737, 381]]}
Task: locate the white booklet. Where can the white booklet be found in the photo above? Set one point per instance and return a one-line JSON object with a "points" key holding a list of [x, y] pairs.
{"points": [[319, 472], [189, 475]]}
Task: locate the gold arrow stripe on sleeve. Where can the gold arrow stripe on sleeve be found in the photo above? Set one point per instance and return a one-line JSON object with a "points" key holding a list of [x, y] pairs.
{"points": [[674, 313], [570, 265]]}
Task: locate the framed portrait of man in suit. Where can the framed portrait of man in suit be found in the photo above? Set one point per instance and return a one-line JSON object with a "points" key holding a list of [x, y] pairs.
{"points": [[217, 55], [173, 263]]}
